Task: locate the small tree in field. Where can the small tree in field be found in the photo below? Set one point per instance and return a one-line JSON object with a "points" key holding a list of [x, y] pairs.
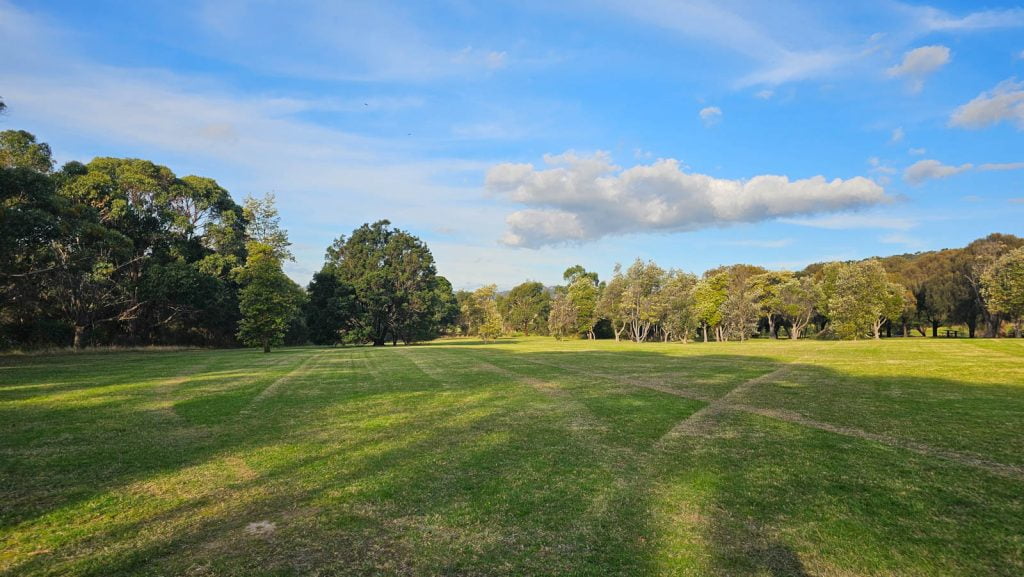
{"points": [[268, 300]]}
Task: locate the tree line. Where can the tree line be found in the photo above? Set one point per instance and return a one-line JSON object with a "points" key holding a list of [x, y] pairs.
{"points": [[121, 251], [980, 286]]}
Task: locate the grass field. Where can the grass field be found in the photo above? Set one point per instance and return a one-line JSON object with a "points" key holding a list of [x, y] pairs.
{"points": [[522, 457]]}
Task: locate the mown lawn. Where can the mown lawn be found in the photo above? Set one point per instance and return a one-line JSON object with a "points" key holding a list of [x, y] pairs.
{"points": [[521, 457]]}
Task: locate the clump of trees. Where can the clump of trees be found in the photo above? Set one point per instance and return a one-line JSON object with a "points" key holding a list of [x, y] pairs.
{"points": [[981, 285], [122, 251]]}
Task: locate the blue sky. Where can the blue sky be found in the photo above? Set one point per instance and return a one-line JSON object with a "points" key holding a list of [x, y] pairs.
{"points": [[519, 138]]}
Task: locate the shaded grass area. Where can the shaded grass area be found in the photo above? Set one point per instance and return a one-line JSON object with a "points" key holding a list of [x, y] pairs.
{"points": [[526, 456]]}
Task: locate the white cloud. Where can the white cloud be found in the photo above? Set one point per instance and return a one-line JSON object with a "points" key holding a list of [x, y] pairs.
{"points": [[580, 198], [897, 135], [1004, 102], [917, 151], [765, 94], [933, 19], [1002, 166], [924, 170], [918, 63], [711, 115], [854, 221]]}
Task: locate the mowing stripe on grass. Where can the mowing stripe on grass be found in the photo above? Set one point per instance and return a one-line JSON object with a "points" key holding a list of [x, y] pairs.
{"points": [[271, 389], [1010, 471]]}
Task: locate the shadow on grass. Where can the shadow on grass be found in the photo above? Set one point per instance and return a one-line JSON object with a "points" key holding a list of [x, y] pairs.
{"points": [[368, 464]]}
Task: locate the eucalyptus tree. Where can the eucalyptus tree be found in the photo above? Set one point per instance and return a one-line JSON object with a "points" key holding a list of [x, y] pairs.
{"points": [[643, 281], [861, 298], [798, 299], [710, 295], [1003, 285], [611, 303], [678, 317]]}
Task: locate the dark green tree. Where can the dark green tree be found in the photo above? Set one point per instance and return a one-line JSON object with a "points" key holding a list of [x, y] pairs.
{"points": [[395, 282]]}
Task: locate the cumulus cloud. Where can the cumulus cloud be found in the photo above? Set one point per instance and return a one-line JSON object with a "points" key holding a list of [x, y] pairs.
{"points": [[917, 151], [584, 197], [711, 115], [897, 135], [918, 63], [924, 170], [1004, 102]]}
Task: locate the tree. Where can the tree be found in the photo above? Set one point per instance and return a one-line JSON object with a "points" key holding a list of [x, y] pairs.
{"points": [[562, 320], [640, 298], [19, 149], [1003, 286], [489, 324], [394, 279], [976, 259], [330, 308], [611, 303], [678, 318], [268, 300], [798, 298], [765, 289], [526, 306], [263, 225], [710, 295], [861, 298], [582, 295], [740, 312]]}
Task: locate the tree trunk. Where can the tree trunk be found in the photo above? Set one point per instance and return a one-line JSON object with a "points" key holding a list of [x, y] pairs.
{"points": [[79, 333], [935, 330], [378, 341], [771, 327], [972, 327], [266, 345]]}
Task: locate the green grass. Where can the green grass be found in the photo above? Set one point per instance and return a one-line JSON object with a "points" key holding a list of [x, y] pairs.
{"points": [[522, 457]]}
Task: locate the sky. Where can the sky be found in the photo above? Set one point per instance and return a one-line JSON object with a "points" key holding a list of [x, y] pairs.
{"points": [[519, 138]]}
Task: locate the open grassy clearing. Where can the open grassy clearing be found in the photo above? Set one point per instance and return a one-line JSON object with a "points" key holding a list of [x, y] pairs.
{"points": [[901, 457]]}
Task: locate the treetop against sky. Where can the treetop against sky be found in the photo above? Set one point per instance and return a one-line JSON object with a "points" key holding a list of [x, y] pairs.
{"points": [[518, 138]]}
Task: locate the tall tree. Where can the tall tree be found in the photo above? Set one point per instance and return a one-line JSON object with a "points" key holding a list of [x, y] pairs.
{"points": [[582, 295], [678, 317], [710, 295], [395, 282], [611, 303], [263, 225], [640, 298], [269, 300]]}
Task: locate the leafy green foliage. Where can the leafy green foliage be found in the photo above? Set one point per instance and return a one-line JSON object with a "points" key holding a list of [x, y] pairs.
{"points": [[268, 301]]}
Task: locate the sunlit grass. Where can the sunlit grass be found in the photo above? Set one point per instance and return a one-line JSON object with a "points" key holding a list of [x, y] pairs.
{"points": [[522, 457]]}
